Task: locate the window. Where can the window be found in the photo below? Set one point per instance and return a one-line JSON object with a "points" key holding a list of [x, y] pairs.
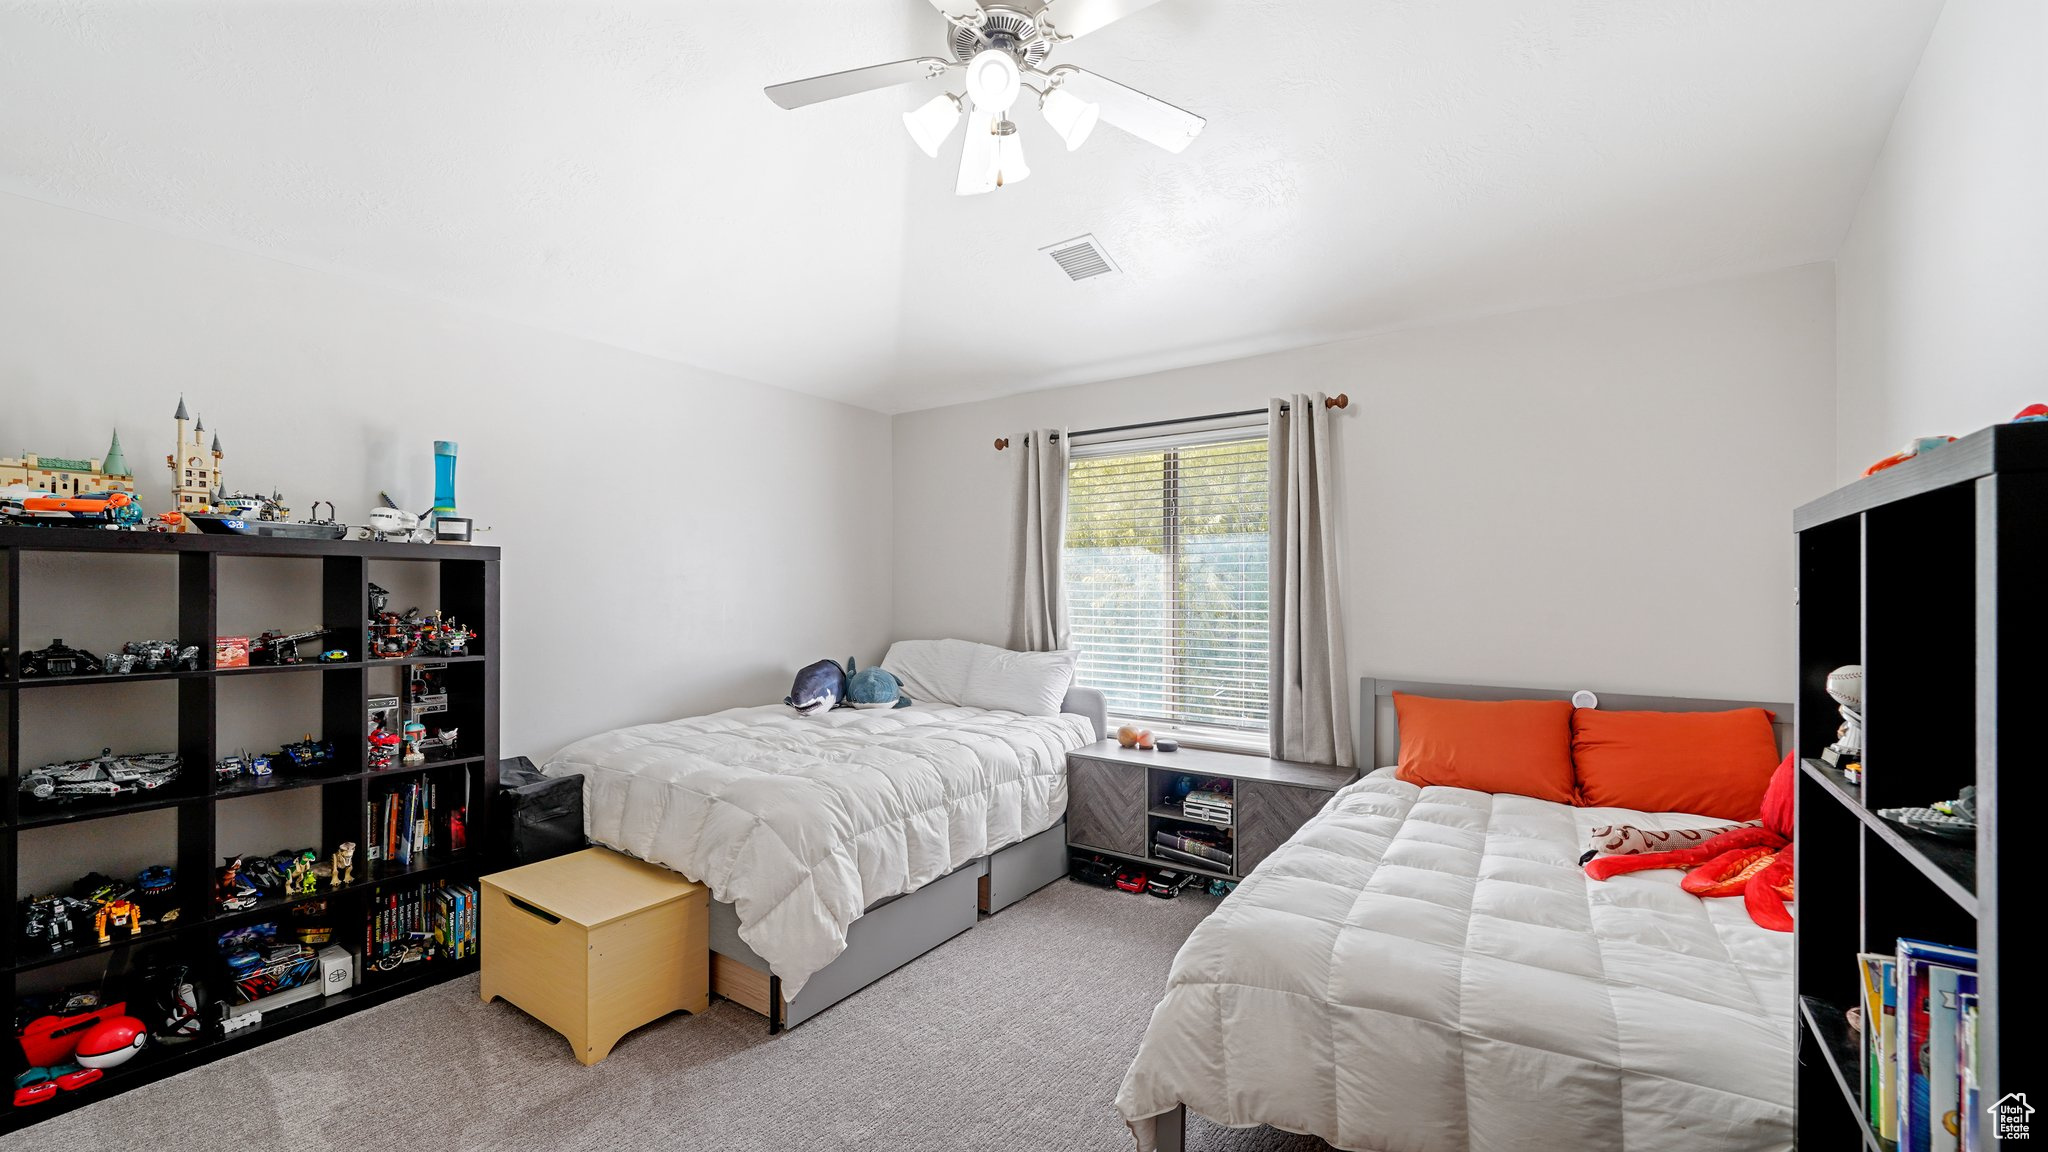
{"points": [[1166, 564]]}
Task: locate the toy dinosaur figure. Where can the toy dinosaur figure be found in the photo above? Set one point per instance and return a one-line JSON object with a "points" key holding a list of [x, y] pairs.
{"points": [[1754, 861]]}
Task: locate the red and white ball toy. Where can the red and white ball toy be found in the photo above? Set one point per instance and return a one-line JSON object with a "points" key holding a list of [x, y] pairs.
{"points": [[111, 1043]]}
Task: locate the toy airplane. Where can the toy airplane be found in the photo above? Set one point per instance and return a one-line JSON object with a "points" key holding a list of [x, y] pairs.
{"points": [[390, 522]]}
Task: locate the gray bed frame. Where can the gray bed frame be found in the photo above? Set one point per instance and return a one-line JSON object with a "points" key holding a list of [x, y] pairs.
{"points": [[1379, 739], [891, 933]]}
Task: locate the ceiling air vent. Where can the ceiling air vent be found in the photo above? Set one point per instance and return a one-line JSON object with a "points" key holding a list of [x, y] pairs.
{"points": [[1080, 257]]}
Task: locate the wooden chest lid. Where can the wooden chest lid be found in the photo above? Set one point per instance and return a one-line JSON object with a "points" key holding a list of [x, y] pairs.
{"points": [[595, 886]]}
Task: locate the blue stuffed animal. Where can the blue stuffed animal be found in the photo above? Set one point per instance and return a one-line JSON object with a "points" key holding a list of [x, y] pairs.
{"points": [[820, 687], [874, 688]]}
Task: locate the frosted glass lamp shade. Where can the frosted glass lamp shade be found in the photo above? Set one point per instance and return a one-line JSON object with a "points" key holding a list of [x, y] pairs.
{"points": [[992, 80], [1009, 155], [1070, 116], [933, 121]]}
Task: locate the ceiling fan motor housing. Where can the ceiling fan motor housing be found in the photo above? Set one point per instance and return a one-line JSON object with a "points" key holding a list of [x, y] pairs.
{"points": [[1005, 30]]}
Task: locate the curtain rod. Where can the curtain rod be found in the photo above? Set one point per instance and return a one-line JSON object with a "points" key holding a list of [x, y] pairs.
{"points": [[1340, 400]]}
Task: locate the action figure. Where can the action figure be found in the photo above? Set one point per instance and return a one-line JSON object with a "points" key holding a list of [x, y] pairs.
{"points": [[345, 864], [299, 879], [118, 913], [235, 893]]}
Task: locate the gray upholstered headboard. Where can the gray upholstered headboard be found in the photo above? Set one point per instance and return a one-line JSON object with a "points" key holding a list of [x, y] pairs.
{"points": [[1089, 702], [1380, 733]]}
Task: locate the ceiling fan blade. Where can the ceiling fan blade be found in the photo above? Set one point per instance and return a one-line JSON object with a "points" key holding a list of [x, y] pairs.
{"points": [[833, 85], [978, 155], [958, 9], [1148, 118], [1074, 18]]}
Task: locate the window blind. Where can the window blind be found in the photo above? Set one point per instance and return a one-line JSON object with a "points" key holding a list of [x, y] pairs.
{"points": [[1166, 564]]}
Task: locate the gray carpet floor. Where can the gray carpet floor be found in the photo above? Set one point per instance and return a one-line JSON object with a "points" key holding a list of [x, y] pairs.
{"points": [[1013, 1035]]}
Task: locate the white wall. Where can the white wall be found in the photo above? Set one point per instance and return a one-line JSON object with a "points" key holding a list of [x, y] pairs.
{"points": [[1598, 495], [675, 541], [1943, 279]]}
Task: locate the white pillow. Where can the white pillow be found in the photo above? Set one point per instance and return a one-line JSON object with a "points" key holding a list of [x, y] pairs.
{"points": [[982, 675]]}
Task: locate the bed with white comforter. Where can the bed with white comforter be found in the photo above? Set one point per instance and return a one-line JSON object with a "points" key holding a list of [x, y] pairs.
{"points": [[801, 822], [1429, 969]]}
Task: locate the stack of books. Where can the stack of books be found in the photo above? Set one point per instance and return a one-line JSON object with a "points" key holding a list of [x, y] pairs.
{"points": [[1197, 846], [414, 819], [1920, 1047], [456, 921], [432, 921]]}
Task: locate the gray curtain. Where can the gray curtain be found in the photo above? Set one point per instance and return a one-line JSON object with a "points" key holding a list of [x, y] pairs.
{"points": [[1038, 621], [1310, 700]]}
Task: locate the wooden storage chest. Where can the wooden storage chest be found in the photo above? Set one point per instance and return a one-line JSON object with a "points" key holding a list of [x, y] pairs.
{"points": [[595, 944]]}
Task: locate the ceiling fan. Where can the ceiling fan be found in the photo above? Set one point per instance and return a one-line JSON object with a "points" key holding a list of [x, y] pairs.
{"points": [[1000, 46]]}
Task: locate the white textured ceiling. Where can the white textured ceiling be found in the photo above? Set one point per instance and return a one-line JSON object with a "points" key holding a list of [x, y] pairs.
{"points": [[613, 169]]}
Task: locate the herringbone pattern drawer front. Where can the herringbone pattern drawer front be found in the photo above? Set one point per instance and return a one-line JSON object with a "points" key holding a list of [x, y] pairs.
{"points": [[1267, 814], [1106, 806]]}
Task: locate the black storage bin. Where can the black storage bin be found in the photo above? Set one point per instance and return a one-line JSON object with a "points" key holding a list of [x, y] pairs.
{"points": [[535, 817]]}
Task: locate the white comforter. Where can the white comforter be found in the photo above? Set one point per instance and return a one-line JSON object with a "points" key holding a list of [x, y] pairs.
{"points": [[1428, 968], [800, 822]]}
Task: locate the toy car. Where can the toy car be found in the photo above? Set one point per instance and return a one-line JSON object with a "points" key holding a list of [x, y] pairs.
{"points": [[308, 754], [104, 775], [1092, 869], [259, 765], [1167, 884], [60, 659], [334, 656], [1221, 887], [1131, 879], [230, 769]]}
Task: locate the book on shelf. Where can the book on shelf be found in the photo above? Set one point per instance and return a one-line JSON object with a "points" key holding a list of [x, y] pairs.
{"points": [[1928, 1064], [1973, 1101], [436, 921], [1880, 1041], [1210, 847], [418, 817]]}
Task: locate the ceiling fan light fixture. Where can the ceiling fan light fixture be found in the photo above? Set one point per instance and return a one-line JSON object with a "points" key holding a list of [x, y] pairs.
{"points": [[1070, 116], [993, 79], [1010, 167], [933, 121]]}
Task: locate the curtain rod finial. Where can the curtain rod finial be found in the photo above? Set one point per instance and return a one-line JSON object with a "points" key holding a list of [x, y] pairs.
{"points": [[1340, 400], [1002, 442]]}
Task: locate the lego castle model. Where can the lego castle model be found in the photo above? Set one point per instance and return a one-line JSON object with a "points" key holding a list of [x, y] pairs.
{"points": [[195, 466], [68, 476]]}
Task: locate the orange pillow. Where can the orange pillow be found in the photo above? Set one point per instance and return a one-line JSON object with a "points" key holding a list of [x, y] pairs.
{"points": [[1518, 746], [1708, 763]]}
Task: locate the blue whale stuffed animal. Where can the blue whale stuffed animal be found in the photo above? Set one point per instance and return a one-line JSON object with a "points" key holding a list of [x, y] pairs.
{"points": [[819, 687], [874, 687], [824, 686]]}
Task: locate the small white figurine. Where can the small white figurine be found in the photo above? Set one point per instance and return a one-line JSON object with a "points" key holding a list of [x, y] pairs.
{"points": [[1845, 684]]}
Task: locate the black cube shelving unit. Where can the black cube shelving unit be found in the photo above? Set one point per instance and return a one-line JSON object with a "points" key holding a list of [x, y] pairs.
{"points": [[1928, 574], [467, 578]]}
